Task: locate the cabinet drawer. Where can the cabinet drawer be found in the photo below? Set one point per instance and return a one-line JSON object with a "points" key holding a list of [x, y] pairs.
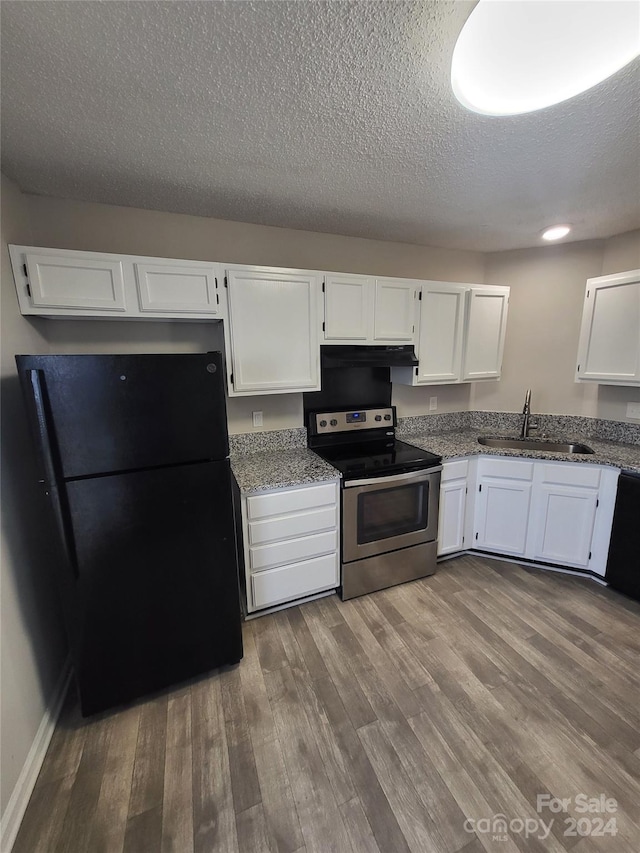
{"points": [[294, 581], [291, 526], [571, 475], [293, 550], [291, 500], [457, 470], [509, 468]]}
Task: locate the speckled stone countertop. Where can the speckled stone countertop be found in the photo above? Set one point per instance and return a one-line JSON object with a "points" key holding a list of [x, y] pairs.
{"points": [[464, 442], [272, 460], [275, 469]]}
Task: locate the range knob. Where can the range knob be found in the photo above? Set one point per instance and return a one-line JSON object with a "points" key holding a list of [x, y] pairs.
{"points": [[334, 422], [378, 417], [387, 417], [323, 423]]}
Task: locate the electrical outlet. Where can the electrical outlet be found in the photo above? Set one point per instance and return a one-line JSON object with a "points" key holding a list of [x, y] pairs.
{"points": [[433, 404], [257, 419], [633, 411]]}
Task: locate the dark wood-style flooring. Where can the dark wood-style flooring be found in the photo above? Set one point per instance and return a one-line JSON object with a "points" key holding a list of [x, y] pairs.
{"points": [[378, 725]]}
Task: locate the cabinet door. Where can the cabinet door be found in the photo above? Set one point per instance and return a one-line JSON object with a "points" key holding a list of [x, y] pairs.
{"points": [[395, 310], [609, 348], [453, 498], [441, 332], [564, 524], [77, 280], [274, 330], [348, 304], [177, 287], [502, 515], [486, 329]]}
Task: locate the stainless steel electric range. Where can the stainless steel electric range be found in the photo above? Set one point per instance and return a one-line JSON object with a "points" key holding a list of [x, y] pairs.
{"points": [[390, 493]]}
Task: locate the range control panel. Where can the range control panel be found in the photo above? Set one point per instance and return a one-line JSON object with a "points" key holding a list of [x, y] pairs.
{"points": [[328, 422]]}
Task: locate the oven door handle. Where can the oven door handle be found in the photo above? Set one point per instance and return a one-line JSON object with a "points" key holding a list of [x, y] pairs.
{"points": [[385, 481]]}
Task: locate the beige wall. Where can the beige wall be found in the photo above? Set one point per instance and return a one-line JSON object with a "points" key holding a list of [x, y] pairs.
{"points": [[545, 310], [33, 645], [102, 228]]}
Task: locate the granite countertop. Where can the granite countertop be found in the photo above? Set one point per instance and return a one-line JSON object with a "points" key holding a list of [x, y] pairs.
{"points": [[279, 467], [450, 445], [275, 469]]}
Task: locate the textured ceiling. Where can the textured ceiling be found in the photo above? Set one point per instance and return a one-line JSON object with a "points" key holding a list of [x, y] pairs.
{"points": [[326, 116]]}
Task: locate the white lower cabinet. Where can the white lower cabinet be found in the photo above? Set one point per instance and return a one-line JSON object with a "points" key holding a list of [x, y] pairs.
{"points": [[291, 543], [453, 502], [549, 512], [502, 505]]}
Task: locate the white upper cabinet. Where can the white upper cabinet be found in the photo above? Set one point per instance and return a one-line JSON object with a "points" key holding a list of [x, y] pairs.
{"points": [[65, 283], [441, 332], [485, 333], [461, 334], [348, 307], [72, 281], [395, 310], [180, 286], [274, 318], [360, 309], [609, 347]]}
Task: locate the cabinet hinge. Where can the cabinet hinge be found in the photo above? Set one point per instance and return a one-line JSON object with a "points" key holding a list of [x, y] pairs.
{"points": [[231, 378], [420, 296], [578, 368], [323, 327], [589, 554], [416, 371], [476, 535], [217, 299], [323, 286], [413, 328], [480, 487], [463, 540], [28, 290], [24, 268], [216, 280], [226, 281], [597, 502], [466, 490], [588, 292]]}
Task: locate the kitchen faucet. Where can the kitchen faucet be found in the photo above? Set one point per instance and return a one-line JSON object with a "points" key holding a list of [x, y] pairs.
{"points": [[526, 425]]}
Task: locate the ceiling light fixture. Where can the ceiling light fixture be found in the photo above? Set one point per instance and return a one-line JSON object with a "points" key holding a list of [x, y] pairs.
{"points": [[515, 57], [556, 233]]}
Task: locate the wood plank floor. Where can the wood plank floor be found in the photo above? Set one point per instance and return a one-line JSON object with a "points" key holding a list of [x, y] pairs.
{"points": [[389, 723]]}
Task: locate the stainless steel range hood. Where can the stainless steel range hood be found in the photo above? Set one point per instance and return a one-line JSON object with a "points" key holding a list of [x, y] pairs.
{"points": [[368, 356]]}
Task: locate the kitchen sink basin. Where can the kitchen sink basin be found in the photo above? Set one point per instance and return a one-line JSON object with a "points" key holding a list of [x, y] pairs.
{"points": [[533, 444]]}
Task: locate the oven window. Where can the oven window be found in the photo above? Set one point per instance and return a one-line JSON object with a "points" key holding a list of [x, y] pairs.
{"points": [[392, 512]]}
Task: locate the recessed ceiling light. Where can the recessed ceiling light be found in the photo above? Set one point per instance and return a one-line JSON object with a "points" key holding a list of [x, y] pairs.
{"points": [[556, 233], [514, 56]]}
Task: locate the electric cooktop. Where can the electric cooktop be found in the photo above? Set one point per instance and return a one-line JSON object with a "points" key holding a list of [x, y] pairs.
{"points": [[362, 443]]}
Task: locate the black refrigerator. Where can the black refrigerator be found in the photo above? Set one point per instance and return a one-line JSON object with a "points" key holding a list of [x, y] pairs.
{"points": [[133, 453]]}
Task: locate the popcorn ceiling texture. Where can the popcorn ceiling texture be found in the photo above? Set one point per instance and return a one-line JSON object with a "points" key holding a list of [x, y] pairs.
{"points": [[326, 116]]}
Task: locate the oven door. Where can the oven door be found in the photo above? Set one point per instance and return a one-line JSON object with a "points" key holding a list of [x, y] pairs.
{"points": [[387, 513]]}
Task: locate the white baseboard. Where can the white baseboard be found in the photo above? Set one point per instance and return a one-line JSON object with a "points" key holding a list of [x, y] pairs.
{"points": [[17, 805]]}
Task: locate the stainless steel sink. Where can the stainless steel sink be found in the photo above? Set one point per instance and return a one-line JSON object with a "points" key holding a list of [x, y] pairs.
{"points": [[533, 444]]}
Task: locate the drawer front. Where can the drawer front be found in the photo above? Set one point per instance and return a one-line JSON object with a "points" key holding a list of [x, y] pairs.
{"points": [[294, 581], [457, 470], [290, 500], [572, 475], [509, 468], [293, 550], [292, 526]]}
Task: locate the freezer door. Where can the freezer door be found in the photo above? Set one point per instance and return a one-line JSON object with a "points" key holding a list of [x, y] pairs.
{"points": [[108, 413], [157, 588]]}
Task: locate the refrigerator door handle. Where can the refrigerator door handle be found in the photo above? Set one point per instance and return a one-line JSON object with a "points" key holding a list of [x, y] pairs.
{"points": [[50, 482]]}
